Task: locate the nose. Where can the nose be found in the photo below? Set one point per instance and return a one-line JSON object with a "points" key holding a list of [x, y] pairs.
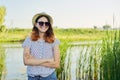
{"points": [[44, 25]]}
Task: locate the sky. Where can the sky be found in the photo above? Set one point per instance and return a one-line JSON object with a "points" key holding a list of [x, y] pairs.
{"points": [[65, 13]]}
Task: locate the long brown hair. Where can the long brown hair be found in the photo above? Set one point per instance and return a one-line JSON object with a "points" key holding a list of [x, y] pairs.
{"points": [[49, 34]]}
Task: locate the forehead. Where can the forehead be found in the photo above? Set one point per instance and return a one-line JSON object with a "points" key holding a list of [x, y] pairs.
{"points": [[42, 19]]}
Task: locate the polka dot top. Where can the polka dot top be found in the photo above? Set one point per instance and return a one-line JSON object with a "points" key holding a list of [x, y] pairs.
{"points": [[40, 49]]}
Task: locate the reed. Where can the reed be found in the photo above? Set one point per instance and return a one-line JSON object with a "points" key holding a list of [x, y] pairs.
{"points": [[2, 60], [88, 62], [110, 63], [94, 62], [68, 65], [61, 71]]}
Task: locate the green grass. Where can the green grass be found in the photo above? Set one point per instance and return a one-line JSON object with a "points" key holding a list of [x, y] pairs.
{"points": [[2, 60], [110, 63], [99, 61], [79, 34], [61, 71], [18, 35]]}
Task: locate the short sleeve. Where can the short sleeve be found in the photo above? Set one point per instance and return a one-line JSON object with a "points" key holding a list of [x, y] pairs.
{"points": [[56, 42], [27, 42]]}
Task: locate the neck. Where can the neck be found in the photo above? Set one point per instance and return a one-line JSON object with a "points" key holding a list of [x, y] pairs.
{"points": [[41, 34]]}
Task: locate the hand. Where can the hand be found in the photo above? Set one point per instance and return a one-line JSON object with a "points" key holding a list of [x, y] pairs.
{"points": [[49, 60], [28, 56]]}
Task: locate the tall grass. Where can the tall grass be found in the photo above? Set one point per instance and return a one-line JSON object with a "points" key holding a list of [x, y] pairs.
{"points": [[100, 62], [88, 63], [2, 60], [110, 64], [95, 62], [61, 71]]}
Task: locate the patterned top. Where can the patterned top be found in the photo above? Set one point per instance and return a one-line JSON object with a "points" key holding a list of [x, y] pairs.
{"points": [[40, 49]]}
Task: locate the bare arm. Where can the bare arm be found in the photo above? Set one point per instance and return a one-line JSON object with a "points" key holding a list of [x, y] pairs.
{"points": [[30, 60], [56, 62]]}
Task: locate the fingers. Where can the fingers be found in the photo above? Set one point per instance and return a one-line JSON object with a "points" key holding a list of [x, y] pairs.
{"points": [[50, 60], [27, 55]]}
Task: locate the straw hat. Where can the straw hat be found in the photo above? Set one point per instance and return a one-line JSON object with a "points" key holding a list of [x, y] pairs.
{"points": [[42, 14]]}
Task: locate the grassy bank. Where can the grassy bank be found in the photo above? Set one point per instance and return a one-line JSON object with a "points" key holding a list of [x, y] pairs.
{"points": [[14, 35], [18, 35]]}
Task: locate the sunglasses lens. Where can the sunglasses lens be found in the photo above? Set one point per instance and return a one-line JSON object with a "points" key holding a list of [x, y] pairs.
{"points": [[47, 23], [42, 23]]}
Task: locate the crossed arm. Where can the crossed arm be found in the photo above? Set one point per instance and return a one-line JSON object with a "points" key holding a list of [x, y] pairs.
{"points": [[52, 63]]}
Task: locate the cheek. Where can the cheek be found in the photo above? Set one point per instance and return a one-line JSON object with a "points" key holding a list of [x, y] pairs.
{"points": [[47, 29], [37, 25]]}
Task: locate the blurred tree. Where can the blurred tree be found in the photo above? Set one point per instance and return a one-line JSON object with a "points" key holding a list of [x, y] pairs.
{"points": [[2, 15], [106, 26], [2, 28], [95, 27]]}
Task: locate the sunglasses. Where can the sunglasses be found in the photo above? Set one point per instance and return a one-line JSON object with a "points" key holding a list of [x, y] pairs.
{"points": [[42, 23]]}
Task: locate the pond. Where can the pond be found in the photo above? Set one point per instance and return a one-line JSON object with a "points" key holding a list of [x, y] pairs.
{"points": [[15, 69]]}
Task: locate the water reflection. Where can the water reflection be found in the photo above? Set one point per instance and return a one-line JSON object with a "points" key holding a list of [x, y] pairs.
{"points": [[15, 69]]}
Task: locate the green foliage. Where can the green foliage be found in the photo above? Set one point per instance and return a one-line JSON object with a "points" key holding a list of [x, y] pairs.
{"points": [[96, 62], [63, 49], [110, 63], [106, 26], [72, 35], [2, 28], [2, 60], [2, 15]]}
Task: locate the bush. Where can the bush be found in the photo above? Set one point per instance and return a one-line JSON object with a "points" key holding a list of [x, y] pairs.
{"points": [[2, 28]]}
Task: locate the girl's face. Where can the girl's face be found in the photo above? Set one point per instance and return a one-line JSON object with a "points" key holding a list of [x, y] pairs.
{"points": [[42, 24]]}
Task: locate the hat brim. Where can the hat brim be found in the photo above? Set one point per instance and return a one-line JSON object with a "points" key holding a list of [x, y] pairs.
{"points": [[41, 14]]}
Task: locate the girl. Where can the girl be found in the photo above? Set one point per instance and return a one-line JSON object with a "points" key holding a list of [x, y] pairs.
{"points": [[41, 49]]}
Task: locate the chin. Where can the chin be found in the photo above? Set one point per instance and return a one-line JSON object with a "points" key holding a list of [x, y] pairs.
{"points": [[43, 31]]}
